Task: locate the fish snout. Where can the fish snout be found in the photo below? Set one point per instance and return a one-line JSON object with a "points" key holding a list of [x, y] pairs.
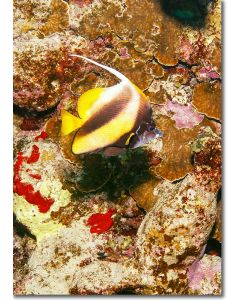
{"points": [[146, 136], [157, 133]]}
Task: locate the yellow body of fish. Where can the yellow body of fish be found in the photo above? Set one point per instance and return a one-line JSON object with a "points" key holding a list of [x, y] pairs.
{"points": [[108, 117]]}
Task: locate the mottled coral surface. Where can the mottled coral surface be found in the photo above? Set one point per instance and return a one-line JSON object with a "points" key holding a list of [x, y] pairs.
{"points": [[148, 221]]}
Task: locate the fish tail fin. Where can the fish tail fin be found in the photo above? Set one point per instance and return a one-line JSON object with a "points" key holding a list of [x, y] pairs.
{"points": [[109, 69], [69, 122]]}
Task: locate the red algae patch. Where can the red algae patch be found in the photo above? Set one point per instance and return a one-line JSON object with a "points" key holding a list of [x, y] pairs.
{"points": [[34, 157], [101, 222], [26, 189], [43, 135], [36, 176]]}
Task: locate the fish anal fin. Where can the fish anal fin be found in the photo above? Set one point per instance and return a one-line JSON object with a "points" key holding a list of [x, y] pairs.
{"points": [[69, 122], [86, 101], [113, 151]]}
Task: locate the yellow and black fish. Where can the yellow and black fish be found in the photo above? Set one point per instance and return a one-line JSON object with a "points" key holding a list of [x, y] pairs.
{"points": [[110, 119]]}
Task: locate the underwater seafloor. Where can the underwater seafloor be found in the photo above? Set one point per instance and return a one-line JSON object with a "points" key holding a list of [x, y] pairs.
{"points": [[161, 202]]}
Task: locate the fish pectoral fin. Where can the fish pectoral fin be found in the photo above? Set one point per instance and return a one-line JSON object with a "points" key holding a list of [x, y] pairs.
{"points": [[69, 122], [129, 138]]}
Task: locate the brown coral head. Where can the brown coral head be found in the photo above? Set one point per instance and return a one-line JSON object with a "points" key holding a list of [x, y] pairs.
{"points": [[58, 19], [176, 153], [207, 99]]}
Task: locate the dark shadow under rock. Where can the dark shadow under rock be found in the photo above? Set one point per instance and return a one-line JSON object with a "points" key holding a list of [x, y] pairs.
{"points": [[187, 12]]}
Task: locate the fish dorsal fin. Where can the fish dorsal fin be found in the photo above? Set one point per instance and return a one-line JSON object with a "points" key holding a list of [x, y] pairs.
{"points": [[69, 122], [86, 101], [109, 69]]}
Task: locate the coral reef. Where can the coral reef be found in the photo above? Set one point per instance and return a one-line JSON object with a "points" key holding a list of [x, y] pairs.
{"points": [[176, 229], [207, 99], [147, 221]]}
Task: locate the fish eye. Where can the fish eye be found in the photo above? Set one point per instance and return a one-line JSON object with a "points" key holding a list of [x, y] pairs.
{"points": [[151, 128]]}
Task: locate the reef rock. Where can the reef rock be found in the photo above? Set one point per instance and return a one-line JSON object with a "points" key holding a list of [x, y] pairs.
{"points": [[39, 193], [175, 231]]}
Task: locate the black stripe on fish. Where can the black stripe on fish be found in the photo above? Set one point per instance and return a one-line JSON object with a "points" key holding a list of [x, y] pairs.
{"points": [[106, 113], [144, 115]]}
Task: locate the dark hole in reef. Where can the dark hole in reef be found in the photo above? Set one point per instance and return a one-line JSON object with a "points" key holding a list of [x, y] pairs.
{"points": [[21, 111], [101, 255], [112, 175], [219, 195], [214, 247], [187, 12], [126, 291], [33, 120], [192, 160], [20, 229]]}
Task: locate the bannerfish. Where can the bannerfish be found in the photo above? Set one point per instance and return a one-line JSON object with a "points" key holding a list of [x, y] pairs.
{"points": [[111, 119]]}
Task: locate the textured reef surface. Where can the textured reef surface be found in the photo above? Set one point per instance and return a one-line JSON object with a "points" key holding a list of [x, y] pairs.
{"points": [[148, 221]]}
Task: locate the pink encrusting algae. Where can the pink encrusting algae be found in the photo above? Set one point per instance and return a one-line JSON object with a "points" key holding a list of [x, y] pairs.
{"points": [[205, 269], [184, 115]]}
